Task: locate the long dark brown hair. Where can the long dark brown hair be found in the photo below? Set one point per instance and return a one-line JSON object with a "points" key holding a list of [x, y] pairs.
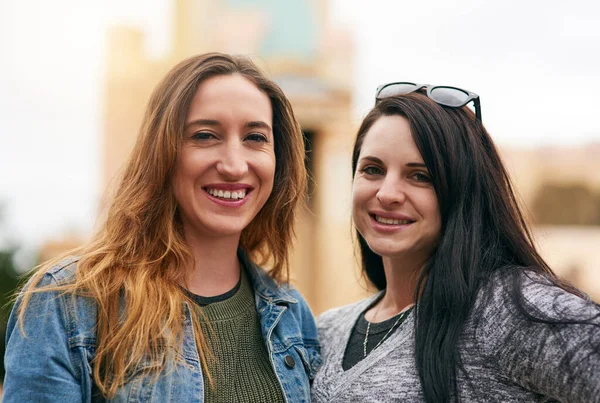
{"points": [[483, 231]]}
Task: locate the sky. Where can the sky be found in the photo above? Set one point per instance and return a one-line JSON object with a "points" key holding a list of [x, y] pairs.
{"points": [[534, 64]]}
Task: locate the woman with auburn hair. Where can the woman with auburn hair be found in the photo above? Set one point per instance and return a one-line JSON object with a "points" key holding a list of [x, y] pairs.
{"points": [[166, 302], [467, 309]]}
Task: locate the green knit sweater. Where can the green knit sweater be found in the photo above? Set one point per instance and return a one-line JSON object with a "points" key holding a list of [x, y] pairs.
{"points": [[241, 368]]}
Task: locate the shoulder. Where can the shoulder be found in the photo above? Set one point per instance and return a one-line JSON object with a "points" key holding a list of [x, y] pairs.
{"points": [[334, 320], [47, 298], [51, 275], [50, 288], [538, 334], [507, 290], [352, 309], [298, 304], [334, 314], [520, 298], [64, 271]]}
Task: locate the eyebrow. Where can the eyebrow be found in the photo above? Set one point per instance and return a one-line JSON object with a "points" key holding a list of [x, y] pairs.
{"points": [[380, 162], [416, 165], [258, 124], [254, 124], [203, 122], [372, 159]]}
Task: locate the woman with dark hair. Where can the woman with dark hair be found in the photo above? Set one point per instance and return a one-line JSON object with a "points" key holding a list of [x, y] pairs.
{"points": [[467, 310], [167, 302]]}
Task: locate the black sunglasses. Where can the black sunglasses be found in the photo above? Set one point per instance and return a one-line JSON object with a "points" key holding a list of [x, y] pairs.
{"points": [[447, 96]]}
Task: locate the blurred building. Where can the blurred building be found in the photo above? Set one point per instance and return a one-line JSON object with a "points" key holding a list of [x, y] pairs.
{"points": [[560, 187], [294, 42]]}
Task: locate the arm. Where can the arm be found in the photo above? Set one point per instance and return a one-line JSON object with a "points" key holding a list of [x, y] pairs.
{"points": [[559, 361], [39, 364]]}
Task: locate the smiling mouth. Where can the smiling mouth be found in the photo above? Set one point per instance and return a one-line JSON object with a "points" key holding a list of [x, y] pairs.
{"points": [[230, 195], [390, 221]]}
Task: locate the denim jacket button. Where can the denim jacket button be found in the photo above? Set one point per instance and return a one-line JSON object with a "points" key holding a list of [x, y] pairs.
{"points": [[289, 361]]}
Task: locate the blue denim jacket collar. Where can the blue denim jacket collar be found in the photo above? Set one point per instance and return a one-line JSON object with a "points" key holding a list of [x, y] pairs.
{"points": [[264, 285]]}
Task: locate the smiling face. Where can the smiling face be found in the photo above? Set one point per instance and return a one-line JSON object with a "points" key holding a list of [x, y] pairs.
{"points": [[394, 205], [226, 164]]}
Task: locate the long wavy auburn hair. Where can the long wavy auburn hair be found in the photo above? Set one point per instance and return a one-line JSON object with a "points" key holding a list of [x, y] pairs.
{"points": [[483, 231], [140, 251]]}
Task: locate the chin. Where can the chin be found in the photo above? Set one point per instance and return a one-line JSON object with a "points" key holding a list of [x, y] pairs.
{"points": [[229, 231], [387, 248], [224, 229]]}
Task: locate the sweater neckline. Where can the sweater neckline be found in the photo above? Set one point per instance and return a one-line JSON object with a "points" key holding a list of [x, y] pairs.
{"points": [[205, 301], [338, 379], [237, 304], [398, 337]]}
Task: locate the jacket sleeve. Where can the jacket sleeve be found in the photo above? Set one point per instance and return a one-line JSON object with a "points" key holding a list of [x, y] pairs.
{"points": [[39, 363], [308, 328], [561, 361]]}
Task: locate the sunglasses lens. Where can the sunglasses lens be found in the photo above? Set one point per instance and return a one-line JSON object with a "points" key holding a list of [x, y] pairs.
{"points": [[449, 96], [396, 89]]}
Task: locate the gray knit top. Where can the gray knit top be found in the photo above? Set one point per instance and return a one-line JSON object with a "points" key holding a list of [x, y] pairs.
{"points": [[507, 357]]}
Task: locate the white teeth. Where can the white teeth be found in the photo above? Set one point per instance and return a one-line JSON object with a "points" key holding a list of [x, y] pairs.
{"points": [[240, 194], [391, 221], [237, 195]]}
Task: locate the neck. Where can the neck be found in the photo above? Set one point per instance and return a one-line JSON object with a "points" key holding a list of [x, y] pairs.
{"points": [[401, 275], [216, 267]]}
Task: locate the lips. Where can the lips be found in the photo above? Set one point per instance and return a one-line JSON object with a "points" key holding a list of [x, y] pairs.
{"points": [[228, 194], [391, 220]]}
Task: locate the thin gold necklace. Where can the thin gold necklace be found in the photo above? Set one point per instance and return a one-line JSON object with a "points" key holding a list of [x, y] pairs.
{"points": [[401, 316]]}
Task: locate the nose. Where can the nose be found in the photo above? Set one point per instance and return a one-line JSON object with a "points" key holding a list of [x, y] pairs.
{"points": [[232, 164], [392, 191]]}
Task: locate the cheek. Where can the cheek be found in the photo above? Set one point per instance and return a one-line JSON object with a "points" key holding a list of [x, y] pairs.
{"points": [[433, 211], [269, 169], [182, 175], [188, 167], [362, 191], [265, 167], [186, 164], [358, 200]]}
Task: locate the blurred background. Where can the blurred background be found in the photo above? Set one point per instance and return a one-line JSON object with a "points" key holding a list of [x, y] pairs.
{"points": [[75, 78]]}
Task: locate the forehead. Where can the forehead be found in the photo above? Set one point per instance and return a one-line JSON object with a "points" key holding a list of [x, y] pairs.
{"points": [[390, 138], [230, 96]]}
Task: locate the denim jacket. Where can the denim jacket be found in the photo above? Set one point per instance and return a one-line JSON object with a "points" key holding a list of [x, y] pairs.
{"points": [[52, 362]]}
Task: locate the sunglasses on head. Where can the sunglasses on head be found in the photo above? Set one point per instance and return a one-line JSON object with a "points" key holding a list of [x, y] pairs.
{"points": [[447, 96]]}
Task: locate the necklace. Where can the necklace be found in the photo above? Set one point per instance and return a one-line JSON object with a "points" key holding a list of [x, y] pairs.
{"points": [[401, 316]]}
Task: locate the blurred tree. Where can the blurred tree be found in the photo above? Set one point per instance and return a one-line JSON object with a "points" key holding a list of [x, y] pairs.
{"points": [[8, 283], [568, 204], [9, 280]]}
